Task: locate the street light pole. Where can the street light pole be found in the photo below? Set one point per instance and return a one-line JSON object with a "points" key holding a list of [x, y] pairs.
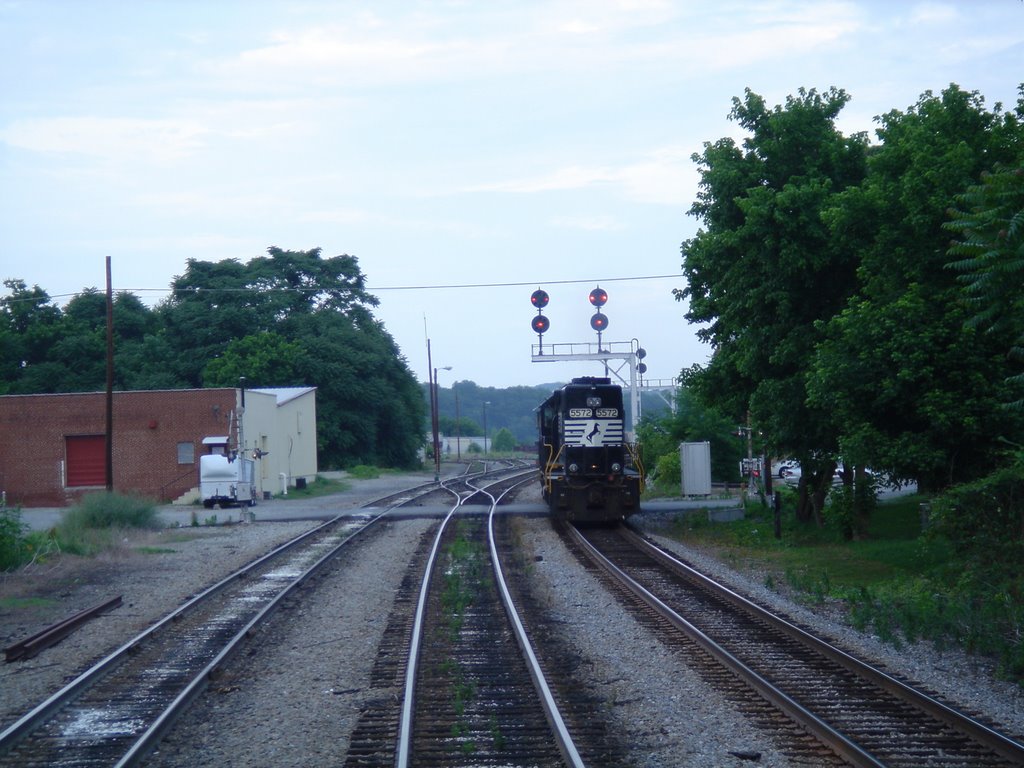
{"points": [[486, 403], [437, 440], [458, 427], [431, 375]]}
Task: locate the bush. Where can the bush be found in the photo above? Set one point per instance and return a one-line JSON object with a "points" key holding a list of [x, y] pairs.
{"points": [[364, 472], [18, 545], [92, 526], [976, 616], [13, 548], [667, 474], [984, 520], [111, 510], [975, 600]]}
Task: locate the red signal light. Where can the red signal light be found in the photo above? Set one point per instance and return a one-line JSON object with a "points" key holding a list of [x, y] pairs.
{"points": [[539, 298], [599, 322], [540, 324], [599, 297]]}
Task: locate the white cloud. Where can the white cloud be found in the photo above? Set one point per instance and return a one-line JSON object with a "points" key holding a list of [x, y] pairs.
{"points": [[562, 39], [589, 223], [661, 177], [161, 141], [934, 13]]}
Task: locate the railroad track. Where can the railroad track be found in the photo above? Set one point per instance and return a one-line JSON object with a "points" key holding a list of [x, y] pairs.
{"points": [[116, 712], [865, 716], [473, 690]]}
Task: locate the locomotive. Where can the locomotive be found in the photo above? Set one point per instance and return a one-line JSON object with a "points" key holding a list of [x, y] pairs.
{"points": [[589, 473]]}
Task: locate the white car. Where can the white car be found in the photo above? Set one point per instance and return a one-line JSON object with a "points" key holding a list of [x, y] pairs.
{"points": [[786, 468]]}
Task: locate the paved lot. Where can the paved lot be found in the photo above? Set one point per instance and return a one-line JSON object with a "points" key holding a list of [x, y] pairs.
{"points": [[352, 499], [359, 492]]}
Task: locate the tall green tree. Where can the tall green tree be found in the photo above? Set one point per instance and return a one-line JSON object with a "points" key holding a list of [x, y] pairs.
{"points": [[989, 255], [47, 349], [914, 387], [267, 358], [31, 325], [690, 421], [293, 317], [764, 268]]}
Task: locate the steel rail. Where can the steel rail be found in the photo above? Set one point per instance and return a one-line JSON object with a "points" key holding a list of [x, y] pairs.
{"points": [[50, 706], [30, 646], [405, 725], [151, 737], [566, 745], [980, 732], [409, 691], [846, 748]]}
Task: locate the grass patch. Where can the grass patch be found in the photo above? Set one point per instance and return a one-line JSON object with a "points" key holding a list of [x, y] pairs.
{"points": [[364, 472], [111, 510], [20, 603], [321, 486], [97, 521], [894, 546], [95, 524]]}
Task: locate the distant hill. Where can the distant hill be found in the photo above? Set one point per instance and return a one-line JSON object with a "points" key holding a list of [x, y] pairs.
{"points": [[512, 407]]}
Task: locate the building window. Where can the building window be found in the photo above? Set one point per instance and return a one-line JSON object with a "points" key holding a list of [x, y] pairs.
{"points": [[186, 453]]}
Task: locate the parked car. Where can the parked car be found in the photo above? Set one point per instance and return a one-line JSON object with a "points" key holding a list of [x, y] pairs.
{"points": [[787, 467], [790, 473]]}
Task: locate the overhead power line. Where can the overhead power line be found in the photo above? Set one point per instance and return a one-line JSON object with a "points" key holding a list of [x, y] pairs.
{"points": [[369, 288]]}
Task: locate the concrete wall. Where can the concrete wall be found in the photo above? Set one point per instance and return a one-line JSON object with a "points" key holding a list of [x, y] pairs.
{"points": [[296, 430], [281, 424]]}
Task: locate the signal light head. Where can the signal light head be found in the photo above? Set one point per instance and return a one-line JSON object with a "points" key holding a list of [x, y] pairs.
{"points": [[539, 298], [540, 324], [599, 297], [599, 322]]}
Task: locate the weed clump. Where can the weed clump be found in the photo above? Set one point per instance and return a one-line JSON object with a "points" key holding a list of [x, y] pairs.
{"points": [[111, 510], [15, 549], [96, 522]]}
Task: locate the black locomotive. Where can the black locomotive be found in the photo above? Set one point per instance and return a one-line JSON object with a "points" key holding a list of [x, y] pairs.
{"points": [[589, 473]]}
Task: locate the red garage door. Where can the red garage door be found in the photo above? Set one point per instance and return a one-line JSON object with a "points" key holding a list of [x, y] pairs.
{"points": [[87, 460]]}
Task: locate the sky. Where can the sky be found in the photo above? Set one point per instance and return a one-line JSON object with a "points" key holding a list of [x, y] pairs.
{"points": [[466, 153]]}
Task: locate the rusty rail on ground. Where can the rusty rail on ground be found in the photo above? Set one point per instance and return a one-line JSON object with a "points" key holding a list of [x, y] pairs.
{"points": [[53, 634]]}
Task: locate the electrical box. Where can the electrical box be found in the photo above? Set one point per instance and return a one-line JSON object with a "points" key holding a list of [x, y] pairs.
{"points": [[695, 462]]}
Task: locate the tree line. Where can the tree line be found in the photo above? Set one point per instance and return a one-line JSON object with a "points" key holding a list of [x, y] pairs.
{"points": [[290, 318], [863, 299]]}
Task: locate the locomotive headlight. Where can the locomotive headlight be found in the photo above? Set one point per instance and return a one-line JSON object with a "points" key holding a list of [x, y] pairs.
{"points": [[574, 468], [616, 467]]}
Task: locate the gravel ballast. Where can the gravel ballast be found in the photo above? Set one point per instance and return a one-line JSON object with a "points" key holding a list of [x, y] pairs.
{"points": [[292, 698]]}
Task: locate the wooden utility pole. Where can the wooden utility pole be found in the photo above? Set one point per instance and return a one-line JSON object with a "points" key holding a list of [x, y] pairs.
{"points": [[110, 381]]}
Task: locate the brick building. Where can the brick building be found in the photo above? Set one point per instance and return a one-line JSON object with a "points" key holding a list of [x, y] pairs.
{"points": [[53, 447]]}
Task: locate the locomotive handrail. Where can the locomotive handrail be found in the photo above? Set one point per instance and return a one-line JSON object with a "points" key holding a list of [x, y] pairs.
{"points": [[551, 464], [634, 455]]}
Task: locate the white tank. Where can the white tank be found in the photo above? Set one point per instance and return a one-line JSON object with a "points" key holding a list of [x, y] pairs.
{"points": [[224, 481]]}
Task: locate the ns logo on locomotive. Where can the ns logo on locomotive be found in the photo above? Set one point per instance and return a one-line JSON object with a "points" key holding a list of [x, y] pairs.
{"points": [[589, 472]]}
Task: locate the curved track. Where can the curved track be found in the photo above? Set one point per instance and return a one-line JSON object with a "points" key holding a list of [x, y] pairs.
{"points": [[471, 697], [472, 692]]}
